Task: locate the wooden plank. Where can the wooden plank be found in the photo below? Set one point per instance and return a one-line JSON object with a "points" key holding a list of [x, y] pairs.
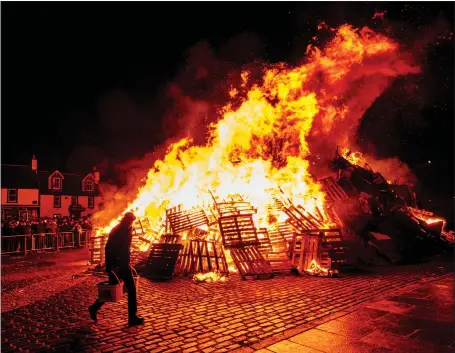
{"points": [[250, 262], [332, 189]]}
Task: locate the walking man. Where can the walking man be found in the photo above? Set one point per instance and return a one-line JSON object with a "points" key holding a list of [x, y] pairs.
{"points": [[118, 260]]}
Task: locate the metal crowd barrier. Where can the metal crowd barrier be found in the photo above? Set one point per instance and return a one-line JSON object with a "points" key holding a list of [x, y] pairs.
{"points": [[13, 244], [21, 244]]}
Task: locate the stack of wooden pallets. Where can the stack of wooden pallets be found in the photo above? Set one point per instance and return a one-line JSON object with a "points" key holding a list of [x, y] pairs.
{"points": [[201, 256]]}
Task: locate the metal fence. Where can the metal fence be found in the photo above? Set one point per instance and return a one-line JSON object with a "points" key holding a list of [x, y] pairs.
{"points": [[22, 244]]}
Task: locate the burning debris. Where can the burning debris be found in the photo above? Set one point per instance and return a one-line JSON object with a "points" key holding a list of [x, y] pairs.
{"points": [[246, 199], [209, 277]]}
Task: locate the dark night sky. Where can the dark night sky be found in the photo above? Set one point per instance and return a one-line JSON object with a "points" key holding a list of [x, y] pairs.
{"points": [[62, 61]]}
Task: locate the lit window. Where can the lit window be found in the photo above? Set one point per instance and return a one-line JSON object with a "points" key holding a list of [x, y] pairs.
{"points": [[56, 183], [12, 195], [91, 202], [57, 201]]}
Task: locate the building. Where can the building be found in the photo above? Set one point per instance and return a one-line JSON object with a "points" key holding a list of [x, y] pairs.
{"points": [[29, 192]]}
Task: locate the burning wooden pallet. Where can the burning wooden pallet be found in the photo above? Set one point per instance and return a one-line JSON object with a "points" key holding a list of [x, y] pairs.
{"points": [[179, 220], [201, 256], [302, 220], [97, 249], [161, 261], [278, 241], [238, 230], [250, 262], [264, 244], [306, 249], [275, 253], [336, 252], [232, 205], [332, 189], [144, 234], [170, 239]]}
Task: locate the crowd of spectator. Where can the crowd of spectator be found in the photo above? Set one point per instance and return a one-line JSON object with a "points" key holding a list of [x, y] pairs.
{"points": [[12, 226]]}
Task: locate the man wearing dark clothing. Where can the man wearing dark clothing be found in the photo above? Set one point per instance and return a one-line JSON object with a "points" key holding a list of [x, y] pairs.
{"points": [[118, 260]]}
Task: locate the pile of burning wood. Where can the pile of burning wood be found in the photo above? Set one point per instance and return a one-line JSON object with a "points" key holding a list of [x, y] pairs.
{"points": [[365, 220]]}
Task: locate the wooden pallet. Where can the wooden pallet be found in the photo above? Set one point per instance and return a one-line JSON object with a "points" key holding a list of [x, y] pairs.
{"points": [[343, 254], [144, 234], [181, 220], [278, 241], [306, 248], [170, 239], [97, 249], [250, 262], [232, 205], [264, 244], [332, 189], [201, 256], [275, 253], [161, 261], [238, 231], [287, 231], [301, 219]]}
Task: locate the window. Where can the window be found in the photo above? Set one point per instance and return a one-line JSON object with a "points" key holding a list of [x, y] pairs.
{"points": [[88, 185], [74, 201], [12, 195], [57, 201], [91, 202], [56, 183]]}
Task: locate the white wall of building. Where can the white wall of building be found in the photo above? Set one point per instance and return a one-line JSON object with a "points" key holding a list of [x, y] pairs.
{"points": [[25, 197], [47, 208]]}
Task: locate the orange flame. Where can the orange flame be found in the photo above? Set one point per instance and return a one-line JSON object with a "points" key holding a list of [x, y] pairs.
{"points": [[213, 276], [317, 270], [263, 143]]}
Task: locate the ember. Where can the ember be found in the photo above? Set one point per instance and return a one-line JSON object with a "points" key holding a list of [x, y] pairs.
{"points": [[317, 270]]}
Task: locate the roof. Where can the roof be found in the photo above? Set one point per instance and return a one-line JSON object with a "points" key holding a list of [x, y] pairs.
{"points": [[72, 185], [18, 177], [23, 177]]}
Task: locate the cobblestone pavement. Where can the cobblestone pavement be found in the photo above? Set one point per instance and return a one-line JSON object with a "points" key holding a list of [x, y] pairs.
{"points": [[419, 320], [38, 276], [241, 316]]}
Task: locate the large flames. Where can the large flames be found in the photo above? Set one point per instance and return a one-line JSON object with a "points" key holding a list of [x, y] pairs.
{"points": [[261, 141]]}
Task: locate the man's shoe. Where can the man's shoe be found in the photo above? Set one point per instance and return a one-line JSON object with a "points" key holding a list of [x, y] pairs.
{"points": [[134, 321], [93, 312]]}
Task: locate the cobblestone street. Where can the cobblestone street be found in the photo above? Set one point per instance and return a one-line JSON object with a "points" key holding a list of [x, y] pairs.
{"points": [[44, 307]]}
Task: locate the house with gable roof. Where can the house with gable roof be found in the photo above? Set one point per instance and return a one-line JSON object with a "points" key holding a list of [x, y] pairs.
{"points": [[29, 192]]}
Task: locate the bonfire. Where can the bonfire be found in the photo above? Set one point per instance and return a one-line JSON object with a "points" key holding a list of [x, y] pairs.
{"points": [[255, 169]]}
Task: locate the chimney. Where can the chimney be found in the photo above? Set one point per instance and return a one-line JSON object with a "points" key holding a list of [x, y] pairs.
{"points": [[96, 174], [34, 164]]}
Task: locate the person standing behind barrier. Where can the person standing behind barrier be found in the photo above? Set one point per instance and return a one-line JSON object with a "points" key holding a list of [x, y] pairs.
{"points": [[77, 231], [118, 260], [52, 228]]}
